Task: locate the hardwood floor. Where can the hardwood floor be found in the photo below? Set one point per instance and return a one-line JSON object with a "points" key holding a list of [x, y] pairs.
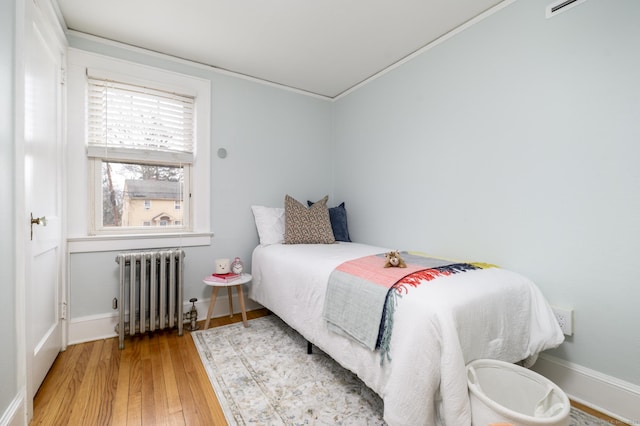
{"points": [[157, 379]]}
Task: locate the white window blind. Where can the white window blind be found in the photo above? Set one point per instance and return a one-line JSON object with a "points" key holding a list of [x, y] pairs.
{"points": [[133, 122]]}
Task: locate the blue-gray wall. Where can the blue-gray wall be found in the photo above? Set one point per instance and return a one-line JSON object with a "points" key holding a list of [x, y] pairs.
{"points": [[8, 358], [278, 142], [516, 142]]}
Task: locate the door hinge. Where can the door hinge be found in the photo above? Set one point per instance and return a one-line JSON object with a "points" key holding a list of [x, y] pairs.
{"points": [[63, 76], [63, 310]]}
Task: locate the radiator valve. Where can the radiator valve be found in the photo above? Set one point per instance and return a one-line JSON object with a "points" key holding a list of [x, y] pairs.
{"points": [[192, 315]]}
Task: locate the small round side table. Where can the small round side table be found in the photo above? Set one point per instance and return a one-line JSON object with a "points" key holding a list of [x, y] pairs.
{"points": [[237, 283]]}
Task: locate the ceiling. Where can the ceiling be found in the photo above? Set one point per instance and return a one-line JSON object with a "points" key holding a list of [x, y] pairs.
{"points": [[323, 47]]}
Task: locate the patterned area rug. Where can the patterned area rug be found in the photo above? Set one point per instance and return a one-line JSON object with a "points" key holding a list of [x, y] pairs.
{"points": [[262, 375]]}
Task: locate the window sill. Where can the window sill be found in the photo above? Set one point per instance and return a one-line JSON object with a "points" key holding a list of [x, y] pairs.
{"points": [[136, 242]]}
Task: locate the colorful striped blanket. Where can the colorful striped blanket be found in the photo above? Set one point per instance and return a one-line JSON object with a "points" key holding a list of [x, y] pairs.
{"points": [[362, 294]]}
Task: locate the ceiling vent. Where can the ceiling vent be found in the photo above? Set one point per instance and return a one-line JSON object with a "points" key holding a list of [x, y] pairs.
{"points": [[560, 6]]}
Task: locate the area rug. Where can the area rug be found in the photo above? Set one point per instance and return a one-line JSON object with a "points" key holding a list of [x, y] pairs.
{"points": [[262, 375]]}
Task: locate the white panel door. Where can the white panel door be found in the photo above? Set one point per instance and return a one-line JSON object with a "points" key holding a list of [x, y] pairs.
{"points": [[43, 56]]}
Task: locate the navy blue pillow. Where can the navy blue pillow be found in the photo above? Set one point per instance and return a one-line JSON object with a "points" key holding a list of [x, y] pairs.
{"points": [[338, 219]]}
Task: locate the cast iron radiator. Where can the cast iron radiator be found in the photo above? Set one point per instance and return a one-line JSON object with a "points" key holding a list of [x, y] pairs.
{"points": [[150, 299]]}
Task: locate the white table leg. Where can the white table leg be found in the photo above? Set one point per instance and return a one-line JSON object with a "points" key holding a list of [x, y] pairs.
{"points": [[230, 302], [214, 294], [242, 308]]}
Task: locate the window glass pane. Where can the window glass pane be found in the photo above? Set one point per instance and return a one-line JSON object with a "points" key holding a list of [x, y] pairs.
{"points": [[141, 195]]}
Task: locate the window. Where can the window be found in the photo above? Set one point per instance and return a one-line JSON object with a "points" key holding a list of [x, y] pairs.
{"points": [[140, 141], [108, 155]]}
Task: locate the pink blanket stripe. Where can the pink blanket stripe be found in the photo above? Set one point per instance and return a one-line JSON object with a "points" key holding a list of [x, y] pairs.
{"points": [[372, 268]]}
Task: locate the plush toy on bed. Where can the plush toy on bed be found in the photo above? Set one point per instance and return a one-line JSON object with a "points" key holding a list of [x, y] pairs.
{"points": [[393, 259]]}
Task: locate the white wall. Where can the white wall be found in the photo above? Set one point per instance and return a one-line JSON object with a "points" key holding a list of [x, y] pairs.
{"points": [[515, 142], [278, 142], [8, 358]]}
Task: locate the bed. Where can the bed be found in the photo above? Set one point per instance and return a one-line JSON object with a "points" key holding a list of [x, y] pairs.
{"points": [[490, 313], [438, 327]]}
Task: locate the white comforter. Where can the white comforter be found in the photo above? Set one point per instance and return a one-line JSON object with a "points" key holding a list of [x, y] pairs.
{"points": [[439, 327]]}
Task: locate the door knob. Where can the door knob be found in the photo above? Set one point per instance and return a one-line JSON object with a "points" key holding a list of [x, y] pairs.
{"points": [[37, 221]]}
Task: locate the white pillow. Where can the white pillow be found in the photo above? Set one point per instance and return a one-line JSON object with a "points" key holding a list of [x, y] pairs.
{"points": [[270, 224]]}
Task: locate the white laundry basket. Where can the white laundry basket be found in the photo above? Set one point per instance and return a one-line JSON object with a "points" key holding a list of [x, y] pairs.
{"points": [[501, 392]]}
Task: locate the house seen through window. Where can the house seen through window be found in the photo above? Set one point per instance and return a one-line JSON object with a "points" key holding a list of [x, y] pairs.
{"points": [[141, 195]]}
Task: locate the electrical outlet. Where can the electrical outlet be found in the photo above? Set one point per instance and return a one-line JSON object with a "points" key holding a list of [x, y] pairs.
{"points": [[565, 319]]}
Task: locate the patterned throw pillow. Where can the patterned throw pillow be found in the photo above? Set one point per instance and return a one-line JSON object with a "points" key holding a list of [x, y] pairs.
{"points": [[338, 219], [307, 225]]}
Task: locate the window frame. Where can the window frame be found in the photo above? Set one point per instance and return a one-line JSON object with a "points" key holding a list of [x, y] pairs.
{"points": [[82, 180]]}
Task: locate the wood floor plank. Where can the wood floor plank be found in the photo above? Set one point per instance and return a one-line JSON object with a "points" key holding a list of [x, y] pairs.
{"points": [[49, 397], [147, 400], [177, 419], [201, 402], [174, 404], [80, 402], [121, 397], [73, 387], [103, 381], [134, 406], [110, 362], [206, 400], [189, 410], [134, 410], [159, 387], [135, 346]]}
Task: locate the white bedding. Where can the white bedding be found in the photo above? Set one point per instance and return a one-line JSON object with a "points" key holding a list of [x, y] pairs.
{"points": [[439, 327]]}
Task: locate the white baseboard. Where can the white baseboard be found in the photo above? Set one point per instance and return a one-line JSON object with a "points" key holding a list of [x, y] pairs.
{"points": [[96, 327], [15, 414], [609, 395]]}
